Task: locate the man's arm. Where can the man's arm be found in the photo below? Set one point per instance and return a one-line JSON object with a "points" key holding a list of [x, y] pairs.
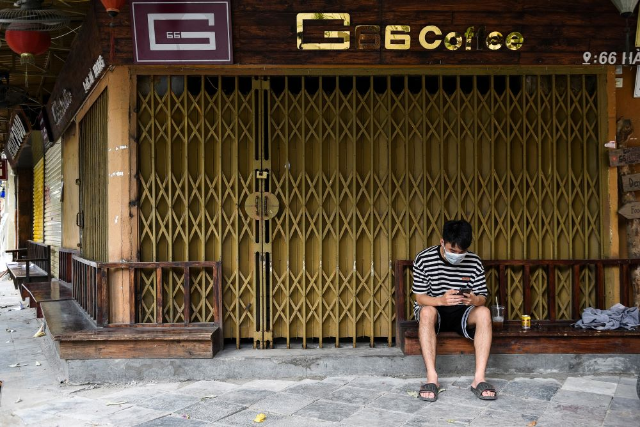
{"points": [[449, 298]]}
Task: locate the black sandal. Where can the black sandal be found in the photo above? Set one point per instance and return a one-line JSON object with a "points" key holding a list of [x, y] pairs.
{"points": [[481, 388], [429, 388]]}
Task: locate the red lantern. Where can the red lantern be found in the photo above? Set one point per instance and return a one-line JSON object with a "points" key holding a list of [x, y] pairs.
{"points": [[28, 44], [113, 6]]}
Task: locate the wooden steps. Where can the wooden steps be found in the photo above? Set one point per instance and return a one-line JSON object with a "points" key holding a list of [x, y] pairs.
{"points": [[77, 337], [557, 338], [55, 290]]}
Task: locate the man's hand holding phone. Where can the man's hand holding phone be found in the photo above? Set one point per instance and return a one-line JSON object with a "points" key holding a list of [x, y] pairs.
{"points": [[457, 296]]}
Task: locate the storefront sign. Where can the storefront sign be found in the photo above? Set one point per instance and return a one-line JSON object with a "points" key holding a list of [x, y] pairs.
{"points": [[624, 156], [94, 73], [4, 172], [397, 37], [44, 129], [630, 210], [60, 106], [194, 32], [18, 130], [631, 182]]}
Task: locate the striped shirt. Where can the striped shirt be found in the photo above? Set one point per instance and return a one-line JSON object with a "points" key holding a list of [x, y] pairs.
{"points": [[433, 275]]}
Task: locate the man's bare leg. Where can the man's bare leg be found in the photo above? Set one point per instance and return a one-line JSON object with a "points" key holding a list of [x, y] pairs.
{"points": [[427, 334], [481, 318]]}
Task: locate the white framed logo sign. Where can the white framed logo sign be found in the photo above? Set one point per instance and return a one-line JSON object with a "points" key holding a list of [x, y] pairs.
{"points": [[179, 32]]}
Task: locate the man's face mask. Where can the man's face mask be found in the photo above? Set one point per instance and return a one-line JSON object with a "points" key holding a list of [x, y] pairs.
{"points": [[453, 258]]}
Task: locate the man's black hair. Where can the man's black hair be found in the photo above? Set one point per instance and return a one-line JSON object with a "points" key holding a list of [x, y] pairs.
{"points": [[458, 233]]}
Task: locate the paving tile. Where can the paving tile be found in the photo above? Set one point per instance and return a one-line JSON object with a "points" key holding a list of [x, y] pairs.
{"points": [[520, 405], [579, 398], [374, 417], [626, 391], [569, 415], [295, 421], [503, 419], [63, 421], [173, 421], [628, 380], [93, 410], [340, 380], [282, 403], [462, 414], [427, 421], [536, 388], [318, 389], [616, 419], [377, 383], [353, 395], [245, 397], [589, 386], [208, 388], [624, 405], [246, 417], [169, 402], [398, 403], [133, 416], [328, 410], [271, 385], [211, 410]]}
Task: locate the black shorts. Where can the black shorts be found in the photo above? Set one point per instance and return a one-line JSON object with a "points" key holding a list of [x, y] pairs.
{"points": [[451, 318]]}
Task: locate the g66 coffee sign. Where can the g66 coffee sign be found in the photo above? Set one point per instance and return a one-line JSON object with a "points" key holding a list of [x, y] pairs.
{"points": [[177, 32]]}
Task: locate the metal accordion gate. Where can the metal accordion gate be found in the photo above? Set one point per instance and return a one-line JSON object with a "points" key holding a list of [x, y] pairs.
{"points": [[308, 188]]}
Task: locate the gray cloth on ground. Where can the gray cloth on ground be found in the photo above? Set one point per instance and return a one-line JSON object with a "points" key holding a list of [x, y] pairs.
{"points": [[618, 316]]}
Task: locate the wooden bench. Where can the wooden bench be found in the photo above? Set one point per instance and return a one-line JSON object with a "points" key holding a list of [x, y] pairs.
{"points": [[35, 266], [76, 336], [39, 292], [545, 336]]}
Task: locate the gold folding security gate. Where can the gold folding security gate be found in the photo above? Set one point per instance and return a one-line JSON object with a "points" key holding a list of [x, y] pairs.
{"points": [[92, 218], [308, 188]]}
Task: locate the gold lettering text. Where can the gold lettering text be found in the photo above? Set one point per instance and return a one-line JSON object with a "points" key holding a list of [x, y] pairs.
{"points": [[344, 35], [423, 37], [390, 35]]}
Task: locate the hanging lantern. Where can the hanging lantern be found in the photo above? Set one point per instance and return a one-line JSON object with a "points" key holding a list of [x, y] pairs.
{"points": [[28, 44], [113, 6]]}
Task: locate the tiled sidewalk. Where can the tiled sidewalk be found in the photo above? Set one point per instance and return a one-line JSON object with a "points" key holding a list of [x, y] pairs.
{"points": [[32, 395]]}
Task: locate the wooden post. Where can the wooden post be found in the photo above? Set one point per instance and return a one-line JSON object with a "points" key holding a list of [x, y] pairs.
{"points": [[502, 289], [159, 295], [104, 297], [187, 294], [132, 295], [575, 293], [551, 292], [526, 290]]}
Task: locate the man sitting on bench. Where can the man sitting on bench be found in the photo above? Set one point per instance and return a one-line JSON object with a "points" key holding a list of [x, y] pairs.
{"points": [[451, 290]]}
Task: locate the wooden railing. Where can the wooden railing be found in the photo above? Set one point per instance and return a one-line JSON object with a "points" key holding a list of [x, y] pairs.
{"points": [[501, 266], [91, 279], [65, 264], [89, 290]]}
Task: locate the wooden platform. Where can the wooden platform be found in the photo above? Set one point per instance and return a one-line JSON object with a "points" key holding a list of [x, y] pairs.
{"points": [[552, 339], [77, 337], [37, 293]]}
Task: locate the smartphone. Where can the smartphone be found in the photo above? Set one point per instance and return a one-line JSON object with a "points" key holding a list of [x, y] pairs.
{"points": [[464, 291]]}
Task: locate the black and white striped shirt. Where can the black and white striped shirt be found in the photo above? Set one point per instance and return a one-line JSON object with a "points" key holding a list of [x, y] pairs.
{"points": [[433, 275]]}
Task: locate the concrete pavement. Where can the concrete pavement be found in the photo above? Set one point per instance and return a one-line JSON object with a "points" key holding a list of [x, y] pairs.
{"points": [[33, 395]]}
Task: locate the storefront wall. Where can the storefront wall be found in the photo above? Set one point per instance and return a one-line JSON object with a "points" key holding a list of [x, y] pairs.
{"points": [[343, 139]]}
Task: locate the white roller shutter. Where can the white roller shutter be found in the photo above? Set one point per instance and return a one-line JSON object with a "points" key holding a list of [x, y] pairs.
{"points": [[53, 202]]}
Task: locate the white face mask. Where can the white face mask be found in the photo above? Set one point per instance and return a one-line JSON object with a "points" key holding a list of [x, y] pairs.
{"points": [[452, 257]]}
